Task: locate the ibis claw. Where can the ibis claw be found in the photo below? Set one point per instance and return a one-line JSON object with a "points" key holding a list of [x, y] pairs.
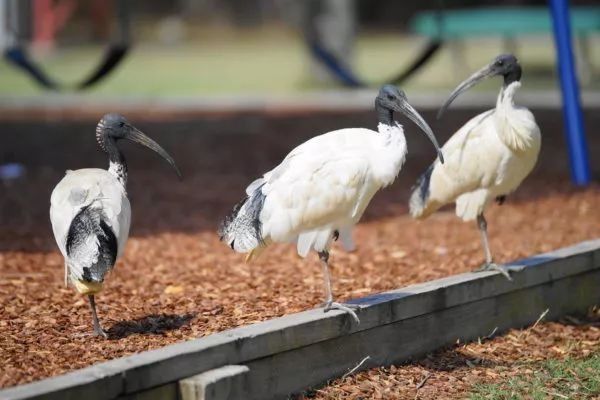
{"points": [[495, 267], [332, 305], [100, 332]]}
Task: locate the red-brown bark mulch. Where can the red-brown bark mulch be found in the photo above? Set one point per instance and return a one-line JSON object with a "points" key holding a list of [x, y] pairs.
{"points": [[451, 373], [176, 283]]}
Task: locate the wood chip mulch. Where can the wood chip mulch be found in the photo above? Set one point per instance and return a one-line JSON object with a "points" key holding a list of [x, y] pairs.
{"points": [[451, 373], [177, 282]]}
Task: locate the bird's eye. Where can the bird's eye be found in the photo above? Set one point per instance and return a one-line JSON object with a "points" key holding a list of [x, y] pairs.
{"points": [[390, 97], [499, 63], [121, 124]]}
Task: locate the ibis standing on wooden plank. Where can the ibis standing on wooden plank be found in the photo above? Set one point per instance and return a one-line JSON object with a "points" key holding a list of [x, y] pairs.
{"points": [[322, 187], [486, 159], [90, 211]]}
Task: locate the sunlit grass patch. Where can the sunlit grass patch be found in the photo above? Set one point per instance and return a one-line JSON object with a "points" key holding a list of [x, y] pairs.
{"points": [[570, 378]]}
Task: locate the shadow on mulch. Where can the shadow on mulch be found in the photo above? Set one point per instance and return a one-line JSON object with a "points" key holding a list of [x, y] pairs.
{"points": [[154, 324], [592, 318], [451, 359]]}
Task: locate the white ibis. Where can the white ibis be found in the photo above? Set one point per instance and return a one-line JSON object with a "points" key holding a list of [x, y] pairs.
{"points": [[486, 159], [322, 187], [90, 212]]}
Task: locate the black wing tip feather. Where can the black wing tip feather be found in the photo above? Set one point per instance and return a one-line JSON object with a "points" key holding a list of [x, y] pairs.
{"points": [[422, 184], [257, 204]]}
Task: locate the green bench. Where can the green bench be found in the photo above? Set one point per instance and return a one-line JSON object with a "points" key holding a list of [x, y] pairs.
{"points": [[500, 21], [507, 23]]}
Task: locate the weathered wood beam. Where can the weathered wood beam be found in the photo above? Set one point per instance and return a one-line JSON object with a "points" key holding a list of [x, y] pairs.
{"points": [[228, 382]]}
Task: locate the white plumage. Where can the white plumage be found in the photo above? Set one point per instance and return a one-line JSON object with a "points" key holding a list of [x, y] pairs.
{"points": [[90, 212], [486, 159], [322, 188], [97, 189], [324, 185]]}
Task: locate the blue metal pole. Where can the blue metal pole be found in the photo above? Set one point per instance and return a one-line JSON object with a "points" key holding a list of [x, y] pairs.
{"points": [[574, 129]]}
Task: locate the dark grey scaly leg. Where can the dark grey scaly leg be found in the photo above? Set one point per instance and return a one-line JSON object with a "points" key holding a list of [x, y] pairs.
{"points": [[329, 303], [97, 328], [489, 265]]}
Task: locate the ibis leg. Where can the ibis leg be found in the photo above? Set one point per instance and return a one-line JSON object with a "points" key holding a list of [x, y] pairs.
{"points": [[482, 225], [329, 303], [97, 328], [489, 265], [66, 274]]}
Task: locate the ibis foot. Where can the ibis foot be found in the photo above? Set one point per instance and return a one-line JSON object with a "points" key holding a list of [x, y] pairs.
{"points": [[495, 267], [100, 332], [332, 305]]}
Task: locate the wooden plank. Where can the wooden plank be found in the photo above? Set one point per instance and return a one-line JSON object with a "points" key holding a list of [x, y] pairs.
{"points": [[225, 383], [146, 370], [95, 383], [164, 392], [277, 376]]}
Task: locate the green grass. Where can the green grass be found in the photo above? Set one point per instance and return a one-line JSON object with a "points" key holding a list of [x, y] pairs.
{"points": [[268, 61], [554, 379]]}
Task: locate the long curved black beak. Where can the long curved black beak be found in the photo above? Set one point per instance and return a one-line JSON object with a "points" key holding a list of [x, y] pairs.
{"points": [[415, 117], [465, 85], [135, 135]]}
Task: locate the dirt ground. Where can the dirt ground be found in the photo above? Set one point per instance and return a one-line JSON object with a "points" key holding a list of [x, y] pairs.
{"points": [[176, 281]]}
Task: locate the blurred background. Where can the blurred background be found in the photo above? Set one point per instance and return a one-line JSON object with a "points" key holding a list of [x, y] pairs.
{"points": [[229, 87], [206, 47]]}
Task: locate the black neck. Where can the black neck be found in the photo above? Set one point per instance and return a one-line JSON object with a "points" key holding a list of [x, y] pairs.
{"points": [[117, 163], [513, 75], [384, 115]]}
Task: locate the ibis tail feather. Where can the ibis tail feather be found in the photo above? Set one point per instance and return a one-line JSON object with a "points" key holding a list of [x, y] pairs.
{"points": [[91, 246], [242, 229], [420, 203]]}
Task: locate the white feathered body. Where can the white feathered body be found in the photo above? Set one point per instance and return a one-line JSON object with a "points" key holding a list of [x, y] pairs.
{"points": [[488, 157], [96, 199], [321, 187]]}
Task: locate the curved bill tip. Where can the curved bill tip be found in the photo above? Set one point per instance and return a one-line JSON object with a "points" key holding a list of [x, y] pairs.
{"points": [[441, 155], [177, 171], [415, 117], [139, 137]]}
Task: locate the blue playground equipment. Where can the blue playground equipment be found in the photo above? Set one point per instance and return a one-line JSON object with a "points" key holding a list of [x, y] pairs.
{"points": [[574, 128]]}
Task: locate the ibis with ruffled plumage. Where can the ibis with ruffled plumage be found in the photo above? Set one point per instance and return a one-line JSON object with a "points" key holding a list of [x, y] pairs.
{"points": [[486, 159]]}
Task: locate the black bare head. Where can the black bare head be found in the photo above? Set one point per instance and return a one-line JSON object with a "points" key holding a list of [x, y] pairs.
{"points": [[391, 99], [505, 65], [113, 127]]}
